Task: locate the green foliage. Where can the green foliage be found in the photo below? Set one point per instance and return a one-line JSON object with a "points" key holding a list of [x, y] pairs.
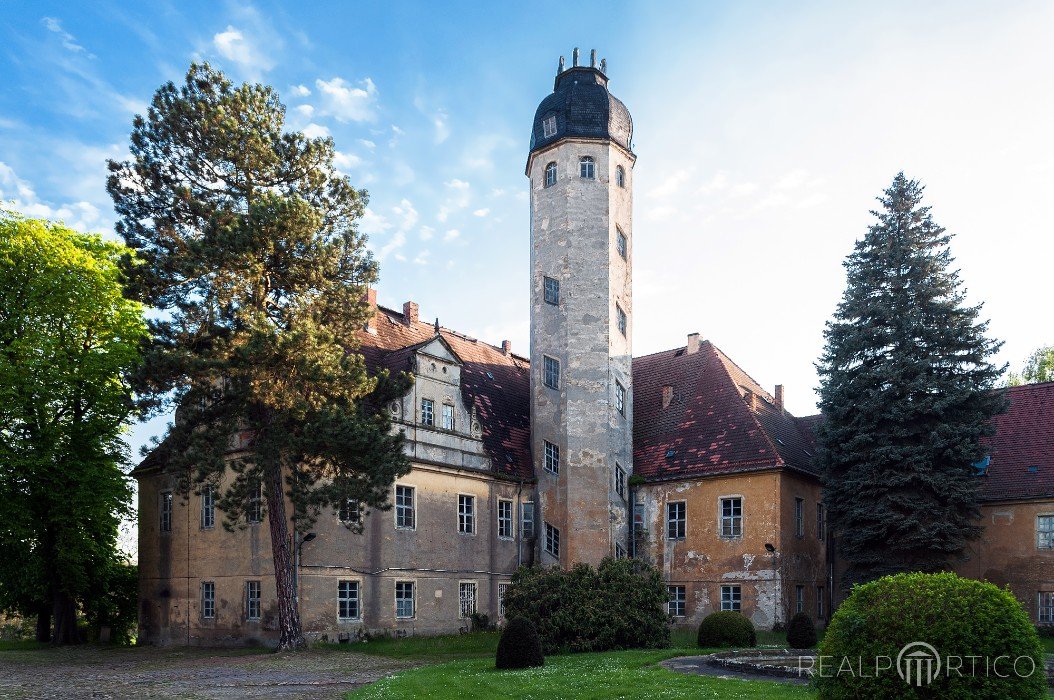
{"points": [[801, 632], [480, 622], [907, 394], [959, 617], [250, 248], [114, 603], [726, 628], [69, 340], [621, 604], [1038, 368], [519, 646]]}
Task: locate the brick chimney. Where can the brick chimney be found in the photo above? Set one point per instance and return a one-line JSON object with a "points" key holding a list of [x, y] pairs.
{"points": [[410, 313], [693, 344], [779, 396], [371, 300], [506, 347], [667, 395]]}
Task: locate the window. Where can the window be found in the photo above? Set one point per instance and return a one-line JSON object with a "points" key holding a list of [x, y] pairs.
{"points": [[503, 588], [587, 168], [549, 126], [208, 507], [552, 290], [527, 519], [677, 600], [620, 551], [255, 514], [348, 600], [252, 600], [208, 599], [620, 176], [1044, 531], [620, 315], [404, 507], [821, 522], [427, 412], [552, 540], [731, 598], [799, 599], [349, 511], [550, 372], [505, 519], [676, 520], [166, 512], [550, 174], [404, 599], [466, 596], [466, 514], [448, 417], [732, 517], [1046, 607], [799, 517], [620, 398], [620, 481], [551, 462], [621, 243], [819, 602]]}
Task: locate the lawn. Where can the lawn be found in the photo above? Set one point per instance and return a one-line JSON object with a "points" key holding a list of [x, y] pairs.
{"points": [[430, 649]]}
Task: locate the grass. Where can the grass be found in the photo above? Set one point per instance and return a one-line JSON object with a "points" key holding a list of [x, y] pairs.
{"points": [[452, 647], [22, 645]]}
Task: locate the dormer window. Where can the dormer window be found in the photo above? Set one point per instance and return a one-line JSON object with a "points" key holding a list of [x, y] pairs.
{"points": [[587, 168], [550, 175], [620, 176], [549, 126]]}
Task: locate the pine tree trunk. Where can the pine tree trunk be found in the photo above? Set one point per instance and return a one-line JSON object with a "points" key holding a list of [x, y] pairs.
{"points": [[43, 623], [281, 553]]}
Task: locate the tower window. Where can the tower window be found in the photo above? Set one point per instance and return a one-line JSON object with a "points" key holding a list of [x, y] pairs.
{"points": [[552, 540], [621, 316], [621, 243], [552, 290], [620, 398], [620, 480], [551, 372], [549, 126], [552, 457], [587, 168], [620, 176], [550, 175]]}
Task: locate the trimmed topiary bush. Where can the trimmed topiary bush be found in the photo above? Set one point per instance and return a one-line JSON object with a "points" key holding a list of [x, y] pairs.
{"points": [[980, 636], [519, 646], [801, 632], [726, 629]]}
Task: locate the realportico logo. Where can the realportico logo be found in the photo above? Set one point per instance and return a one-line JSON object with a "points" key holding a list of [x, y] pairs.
{"points": [[918, 664]]}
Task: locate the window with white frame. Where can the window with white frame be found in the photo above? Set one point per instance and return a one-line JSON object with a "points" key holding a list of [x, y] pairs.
{"points": [[252, 600], [731, 598], [676, 520], [349, 511], [620, 398], [821, 522], [551, 372], [1046, 608], [552, 540], [448, 417], [466, 599], [551, 457], [208, 507], [166, 512], [799, 599], [551, 288], [550, 174], [404, 507], [620, 315], [255, 514], [1045, 532], [527, 519], [466, 514], [504, 519], [503, 588], [404, 599], [208, 599], [549, 126], [621, 243], [678, 597], [587, 168], [732, 517], [348, 600], [620, 551], [620, 176], [799, 517], [427, 412], [819, 602], [620, 480]]}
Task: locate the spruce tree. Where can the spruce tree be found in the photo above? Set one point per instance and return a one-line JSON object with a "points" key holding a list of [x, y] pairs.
{"points": [[906, 389], [251, 254]]}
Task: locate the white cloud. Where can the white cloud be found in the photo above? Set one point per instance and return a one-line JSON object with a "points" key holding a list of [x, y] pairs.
{"points": [[672, 184], [366, 143], [19, 195], [373, 223], [497, 192], [397, 242], [347, 103], [422, 257], [408, 215], [426, 233], [792, 180], [481, 212], [457, 184], [300, 90], [452, 234], [443, 214], [305, 110], [346, 161], [315, 131], [234, 45], [69, 41]]}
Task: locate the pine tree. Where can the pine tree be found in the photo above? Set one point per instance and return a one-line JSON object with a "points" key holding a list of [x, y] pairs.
{"points": [[907, 394], [252, 256]]}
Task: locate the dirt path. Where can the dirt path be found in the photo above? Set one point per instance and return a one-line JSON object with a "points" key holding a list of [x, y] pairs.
{"points": [[215, 674]]}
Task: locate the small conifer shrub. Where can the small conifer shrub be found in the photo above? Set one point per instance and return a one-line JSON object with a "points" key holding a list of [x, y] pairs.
{"points": [[726, 629], [519, 646], [801, 632]]}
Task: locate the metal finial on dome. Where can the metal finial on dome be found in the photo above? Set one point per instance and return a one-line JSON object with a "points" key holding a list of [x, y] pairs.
{"points": [[561, 68], [592, 58], [604, 66], [574, 57]]}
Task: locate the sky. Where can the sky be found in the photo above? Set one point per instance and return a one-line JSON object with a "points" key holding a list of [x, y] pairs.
{"points": [[764, 132]]}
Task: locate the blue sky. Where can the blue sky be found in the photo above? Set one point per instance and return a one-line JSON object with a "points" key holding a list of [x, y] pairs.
{"points": [[763, 131]]}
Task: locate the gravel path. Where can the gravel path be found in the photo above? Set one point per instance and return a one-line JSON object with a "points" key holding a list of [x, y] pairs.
{"points": [[216, 674]]}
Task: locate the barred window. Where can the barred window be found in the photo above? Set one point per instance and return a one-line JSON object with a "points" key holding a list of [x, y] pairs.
{"points": [[551, 372], [505, 519], [166, 512], [208, 507], [252, 600], [503, 588], [348, 600], [208, 599], [678, 598], [466, 514], [551, 290], [551, 461], [731, 598], [676, 520], [404, 599], [466, 599], [552, 540], [587, 168], [404, 507], [550, 174], [732, 517]]}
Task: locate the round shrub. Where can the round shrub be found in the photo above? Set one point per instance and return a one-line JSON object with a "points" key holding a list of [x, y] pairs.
{"points": [[801, 632], [984, 641], [519, 646], [726, 629]]}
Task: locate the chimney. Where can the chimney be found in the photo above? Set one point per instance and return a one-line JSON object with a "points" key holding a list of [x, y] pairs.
{"points": [[574, 57], [506, 347], [693, 344], [371, 300], [410, 310], [779, 396], [667, 395], [592, 58], [752, 399]]}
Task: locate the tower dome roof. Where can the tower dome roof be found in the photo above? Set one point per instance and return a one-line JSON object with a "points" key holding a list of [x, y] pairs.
{"points": [[583, 107]]}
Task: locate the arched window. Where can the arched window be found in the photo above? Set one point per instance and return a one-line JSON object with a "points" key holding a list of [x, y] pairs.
{"points": [[620, 176], [587, 168], [550, 174]]}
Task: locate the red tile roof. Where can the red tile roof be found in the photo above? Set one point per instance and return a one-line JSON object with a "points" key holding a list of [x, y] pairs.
{"points": [[718, 421], [1024, 439]]}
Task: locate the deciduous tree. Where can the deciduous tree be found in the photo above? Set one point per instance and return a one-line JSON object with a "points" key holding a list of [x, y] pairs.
{"points": [[1038, 368]]}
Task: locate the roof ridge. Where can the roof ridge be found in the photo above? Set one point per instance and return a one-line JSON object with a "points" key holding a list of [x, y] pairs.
{"points": [[753, 415], [726, 359]]}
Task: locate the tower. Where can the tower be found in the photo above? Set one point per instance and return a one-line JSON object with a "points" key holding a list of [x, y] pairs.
{"points": [[580, 167]]}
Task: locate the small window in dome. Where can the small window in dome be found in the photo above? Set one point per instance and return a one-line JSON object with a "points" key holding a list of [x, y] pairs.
{"points": [[620, 176], [549, 127], [587, 168], [550, 174]]}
